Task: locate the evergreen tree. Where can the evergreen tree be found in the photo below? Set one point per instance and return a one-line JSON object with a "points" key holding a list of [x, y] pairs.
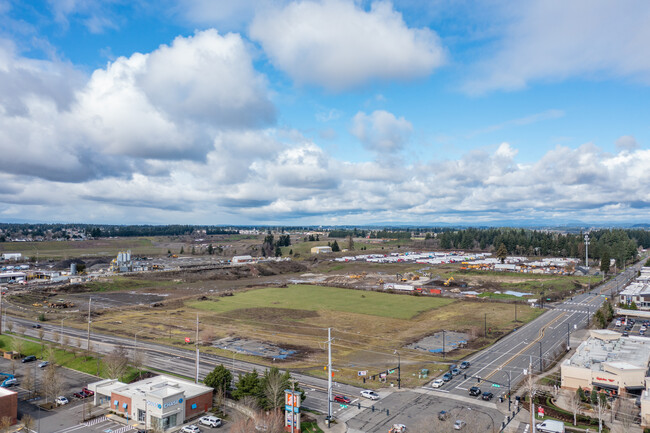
{"points": [[248, 384], [219, 378], [502, 253], [182, 250], [604, 261], [335, 247]]}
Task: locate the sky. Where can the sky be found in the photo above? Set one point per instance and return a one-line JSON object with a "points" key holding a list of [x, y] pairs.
{"points": [[327, 112]]}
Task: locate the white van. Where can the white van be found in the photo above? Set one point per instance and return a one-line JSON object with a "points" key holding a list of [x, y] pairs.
{"points": [[551, 426]]}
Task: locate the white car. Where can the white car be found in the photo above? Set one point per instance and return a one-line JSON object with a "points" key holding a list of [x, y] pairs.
{"points": [[61, 400], [459, 424], [210, 421], [437, 383], [191, 429], [372, 395]]}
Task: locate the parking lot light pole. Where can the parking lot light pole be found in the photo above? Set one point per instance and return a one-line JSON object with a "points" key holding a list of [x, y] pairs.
{"points": [[135, 343], [62, 332], [399, 371]]}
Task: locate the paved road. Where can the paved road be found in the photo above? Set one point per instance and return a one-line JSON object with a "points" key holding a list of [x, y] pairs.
{"points": [[536, 343], [505, 361]]}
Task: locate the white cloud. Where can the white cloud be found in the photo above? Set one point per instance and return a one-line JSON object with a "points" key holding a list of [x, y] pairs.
{"points": [[626, 142], [381, 131], [555, 40], [338, 45], [168, 104]]}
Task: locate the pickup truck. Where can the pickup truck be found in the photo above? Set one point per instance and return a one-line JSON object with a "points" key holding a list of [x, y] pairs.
{"points": [[551, 426]]}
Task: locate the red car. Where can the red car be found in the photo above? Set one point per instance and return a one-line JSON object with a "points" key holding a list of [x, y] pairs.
{"points": [[342, 399], [88, 392]]}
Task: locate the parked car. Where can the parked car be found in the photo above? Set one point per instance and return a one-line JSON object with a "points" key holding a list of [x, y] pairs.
{"points": [[446, 377], [61, 400], [455, 372], [210, 421], [464, 364], [625, 333], [342, 399], [437, 383], [43, 364], [487, 396], [79, 395], [36, 325], [29, 358], [10, 382], [443, 415], [474, 391], [191, 429], [452, 366], [87, 392], [372, 395], [459, 424]]}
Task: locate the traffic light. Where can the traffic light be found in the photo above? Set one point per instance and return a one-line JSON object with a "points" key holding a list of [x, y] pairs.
{"points": [[479, 379], [373, 407], [359, 406], [387, 412], [464, 375]]}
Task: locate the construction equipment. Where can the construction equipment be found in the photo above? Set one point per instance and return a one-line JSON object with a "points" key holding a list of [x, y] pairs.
{"points": [[446, 283], [36, 304], [415, 277]]}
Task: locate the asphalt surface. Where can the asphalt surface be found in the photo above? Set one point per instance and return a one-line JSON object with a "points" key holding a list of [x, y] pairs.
{"points": [[535, 345]]}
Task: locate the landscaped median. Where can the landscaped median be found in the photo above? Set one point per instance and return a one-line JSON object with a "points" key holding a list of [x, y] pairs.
{"points": [[553, 412]]}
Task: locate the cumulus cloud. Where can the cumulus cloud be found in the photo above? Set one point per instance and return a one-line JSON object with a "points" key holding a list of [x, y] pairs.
{"points": [[381, 131], [165, 105], [554, 40], [627, 142], [338, 45]]}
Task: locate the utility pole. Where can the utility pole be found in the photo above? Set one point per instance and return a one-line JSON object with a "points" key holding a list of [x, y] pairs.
{"points": [[1, 289], [568, 330], [88, 337], [443, 344], [329, 376], [532, 397], [515, 311], [196, 380], [540, 356], [485, 325]]}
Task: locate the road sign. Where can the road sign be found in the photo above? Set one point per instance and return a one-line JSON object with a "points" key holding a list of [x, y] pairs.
{"points": [[362, 373], [496, 385], [187, 339]]}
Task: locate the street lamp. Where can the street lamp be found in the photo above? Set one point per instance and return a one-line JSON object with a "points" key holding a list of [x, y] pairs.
{"points": [[399, 370], [509, 398], [62, 331], [135, 342]]}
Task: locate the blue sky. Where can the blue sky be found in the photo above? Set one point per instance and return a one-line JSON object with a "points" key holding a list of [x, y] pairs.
{"points": [[324, 112]]}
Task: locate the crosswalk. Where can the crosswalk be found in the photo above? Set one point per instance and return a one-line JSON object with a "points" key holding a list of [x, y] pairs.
{"points": [[95, 421]]}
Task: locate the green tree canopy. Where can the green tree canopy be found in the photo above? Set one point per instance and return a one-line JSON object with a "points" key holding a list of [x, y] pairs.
{"points": [[220, 379]]}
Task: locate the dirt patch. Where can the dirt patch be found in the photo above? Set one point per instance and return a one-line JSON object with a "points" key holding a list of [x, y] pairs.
{"points": [[436, 343], [257, 348]]}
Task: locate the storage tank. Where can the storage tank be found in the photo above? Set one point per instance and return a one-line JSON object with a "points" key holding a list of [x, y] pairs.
{"points": [[73, 269]]}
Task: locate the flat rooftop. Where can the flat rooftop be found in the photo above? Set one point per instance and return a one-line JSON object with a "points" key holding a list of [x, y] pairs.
{"points": [[162, 386], [622, 353], [5, 391]]}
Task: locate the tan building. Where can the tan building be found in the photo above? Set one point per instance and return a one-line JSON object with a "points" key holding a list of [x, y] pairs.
{"points": [[610, 362]]}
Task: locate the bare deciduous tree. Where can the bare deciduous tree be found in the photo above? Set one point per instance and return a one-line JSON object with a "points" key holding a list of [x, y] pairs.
{"points": [[10, 325], [626, 413], [573, 400], [208, 336], [65, 342], [52, 384], [219, 398], [532, 388], [18, 344], [27, 421], [274, 389], [5, 422], [28, 381], [116, 363]]}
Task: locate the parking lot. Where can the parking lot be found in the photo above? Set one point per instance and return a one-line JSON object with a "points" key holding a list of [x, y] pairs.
{"points": [[630, 326]]}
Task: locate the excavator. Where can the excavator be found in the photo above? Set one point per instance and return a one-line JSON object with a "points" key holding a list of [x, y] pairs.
{"points": [[446, 283]]}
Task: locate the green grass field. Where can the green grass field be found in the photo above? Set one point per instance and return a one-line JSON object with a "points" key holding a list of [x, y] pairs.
{"points": [[71, 249], [314, 298]]}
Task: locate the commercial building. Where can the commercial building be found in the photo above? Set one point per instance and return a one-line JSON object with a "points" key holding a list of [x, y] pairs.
{"points": [[12, 277], [321, 250], [158, 402], [238, 260], [638, 291], [609, 362], [8, 404], [11, 256]]}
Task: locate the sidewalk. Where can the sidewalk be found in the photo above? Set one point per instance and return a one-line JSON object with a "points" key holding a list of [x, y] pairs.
{"points": [[335, 427]]}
